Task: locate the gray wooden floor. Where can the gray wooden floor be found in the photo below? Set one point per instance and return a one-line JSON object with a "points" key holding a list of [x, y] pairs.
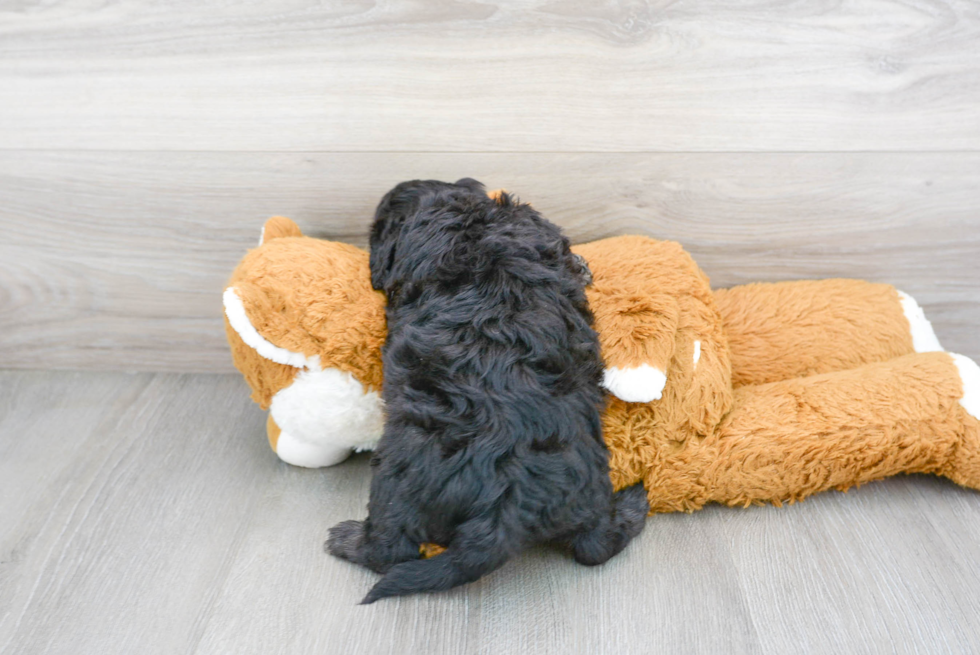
{"points": [[145, 513]]}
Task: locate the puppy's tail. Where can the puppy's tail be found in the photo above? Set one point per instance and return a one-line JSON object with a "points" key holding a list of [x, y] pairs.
{"points": [[416, 576], [455, 566]]}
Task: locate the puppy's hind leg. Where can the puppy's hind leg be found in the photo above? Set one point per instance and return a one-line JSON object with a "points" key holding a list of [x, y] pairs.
{"points": [[368, 546], [615, 530]]}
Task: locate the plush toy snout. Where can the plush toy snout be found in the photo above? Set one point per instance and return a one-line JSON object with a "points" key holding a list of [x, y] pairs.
{"points": [[322, 417]]}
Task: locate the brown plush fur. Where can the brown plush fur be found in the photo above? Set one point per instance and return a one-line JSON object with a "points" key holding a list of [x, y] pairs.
{"points": [[272, 431], [651, 303], [800, 386], [308, 296], [826, 323], [786, 440]]}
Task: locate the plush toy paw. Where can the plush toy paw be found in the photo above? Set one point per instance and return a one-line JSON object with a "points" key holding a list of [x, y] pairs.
{"points": [[640, 384], [924, 338], [345, 539], [970, 376]]}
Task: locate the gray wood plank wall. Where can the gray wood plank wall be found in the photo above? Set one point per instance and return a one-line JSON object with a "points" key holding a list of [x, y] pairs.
{"points": [[142, 145]]}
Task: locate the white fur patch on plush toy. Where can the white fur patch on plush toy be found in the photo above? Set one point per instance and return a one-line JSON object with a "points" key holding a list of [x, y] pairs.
{"points": [[235, 311], [322, 413], [308, 455], [640, 384], [924, 338], [970, 375]]}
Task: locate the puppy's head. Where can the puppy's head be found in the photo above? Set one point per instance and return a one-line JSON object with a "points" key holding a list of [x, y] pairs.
{"points": [[400, 205]]}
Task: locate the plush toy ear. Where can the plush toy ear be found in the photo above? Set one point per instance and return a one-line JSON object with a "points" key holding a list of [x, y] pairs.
{"points": [[497, 195], [278, 227]]}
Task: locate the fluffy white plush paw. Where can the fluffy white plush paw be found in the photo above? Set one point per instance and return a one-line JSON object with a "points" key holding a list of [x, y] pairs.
{"points": [[324, 415], [640, 384], [308, 455], [970, 375], [924, 338]]}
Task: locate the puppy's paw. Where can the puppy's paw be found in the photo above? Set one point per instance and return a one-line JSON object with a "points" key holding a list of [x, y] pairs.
{"points": [[632, 508], [584, 272], [345, 540]]}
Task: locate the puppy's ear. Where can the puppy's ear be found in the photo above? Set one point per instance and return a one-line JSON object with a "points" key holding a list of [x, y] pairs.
{"points": [[471, 184], [382, 257], [388, 219]]}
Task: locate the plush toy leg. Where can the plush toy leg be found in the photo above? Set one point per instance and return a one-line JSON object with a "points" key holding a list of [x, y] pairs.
{"points": [[793, 329], [299, 453], [786, 440]]}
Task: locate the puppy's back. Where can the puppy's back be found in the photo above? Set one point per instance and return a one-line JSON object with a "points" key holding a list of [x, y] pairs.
{"points": [[492, 387], [486, 302]]}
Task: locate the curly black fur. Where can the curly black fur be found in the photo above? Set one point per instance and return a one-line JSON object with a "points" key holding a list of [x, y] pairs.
{"points": [[492, 440]]}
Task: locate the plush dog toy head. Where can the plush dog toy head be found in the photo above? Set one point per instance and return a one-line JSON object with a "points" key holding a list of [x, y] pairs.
{"points": [[306, 331]]}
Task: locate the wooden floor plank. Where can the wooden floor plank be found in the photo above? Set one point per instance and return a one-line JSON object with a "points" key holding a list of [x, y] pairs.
{"points": [[285, 596], [879, 568], [117, 260], [704, 75], [124, 550], [166, 525], [47, 458]]}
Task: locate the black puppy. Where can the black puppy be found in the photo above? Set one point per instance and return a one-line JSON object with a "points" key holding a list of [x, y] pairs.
{"points": [[492, 440]]}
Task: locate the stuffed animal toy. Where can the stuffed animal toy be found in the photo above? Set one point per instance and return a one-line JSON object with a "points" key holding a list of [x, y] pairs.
{"points": [[758, 393]]}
